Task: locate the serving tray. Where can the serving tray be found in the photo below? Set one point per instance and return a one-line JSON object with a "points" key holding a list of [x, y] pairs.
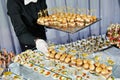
{"points": [[67, 22]]}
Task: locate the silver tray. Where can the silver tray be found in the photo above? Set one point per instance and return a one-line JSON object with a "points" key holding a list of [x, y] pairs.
{"points": [[71, 30]]}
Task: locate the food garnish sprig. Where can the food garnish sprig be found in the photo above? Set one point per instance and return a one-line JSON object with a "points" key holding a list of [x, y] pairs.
{"points": [[110, 61], [60, 10], [97, 58], [78, 10], [83, 11], [45, 12], [40, 14], [92, 11], [84, 55], [68, 9]]}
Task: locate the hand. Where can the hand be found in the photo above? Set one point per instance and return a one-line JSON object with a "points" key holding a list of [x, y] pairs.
{"points": [[41, 45]]}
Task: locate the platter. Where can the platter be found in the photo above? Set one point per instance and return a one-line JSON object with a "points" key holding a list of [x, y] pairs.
{"points": [[113, 34], [89, 45], [58, 69], [73, 30], [67, 22]]}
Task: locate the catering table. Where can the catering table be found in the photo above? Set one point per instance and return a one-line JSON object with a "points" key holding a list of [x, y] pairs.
{"points": [[113, 53]]}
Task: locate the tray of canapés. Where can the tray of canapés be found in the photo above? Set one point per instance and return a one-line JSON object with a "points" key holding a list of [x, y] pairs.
{"points": [[67, 22], [63, 66], [89, 45], [5, 60], [36, 61], [113, 34], [81, 68]]}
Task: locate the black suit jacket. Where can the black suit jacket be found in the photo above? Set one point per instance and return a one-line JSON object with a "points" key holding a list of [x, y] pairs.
{"points": [[24, 18]]}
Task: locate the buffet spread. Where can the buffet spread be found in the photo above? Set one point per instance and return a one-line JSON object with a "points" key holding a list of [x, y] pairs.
{"points": [[64, 66], [70, 61]]}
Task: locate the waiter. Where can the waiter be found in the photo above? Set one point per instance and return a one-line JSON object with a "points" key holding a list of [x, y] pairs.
{"points": [[23, 15]]}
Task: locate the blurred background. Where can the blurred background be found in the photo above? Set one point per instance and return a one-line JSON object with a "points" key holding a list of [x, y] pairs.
{"points": [[107, 10]]}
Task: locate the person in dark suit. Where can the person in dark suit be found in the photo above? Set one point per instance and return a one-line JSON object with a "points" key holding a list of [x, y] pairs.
{"points": [[23, 15]]}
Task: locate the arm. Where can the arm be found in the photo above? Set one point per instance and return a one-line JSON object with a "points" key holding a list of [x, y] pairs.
{"points": [[22, 33]]}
